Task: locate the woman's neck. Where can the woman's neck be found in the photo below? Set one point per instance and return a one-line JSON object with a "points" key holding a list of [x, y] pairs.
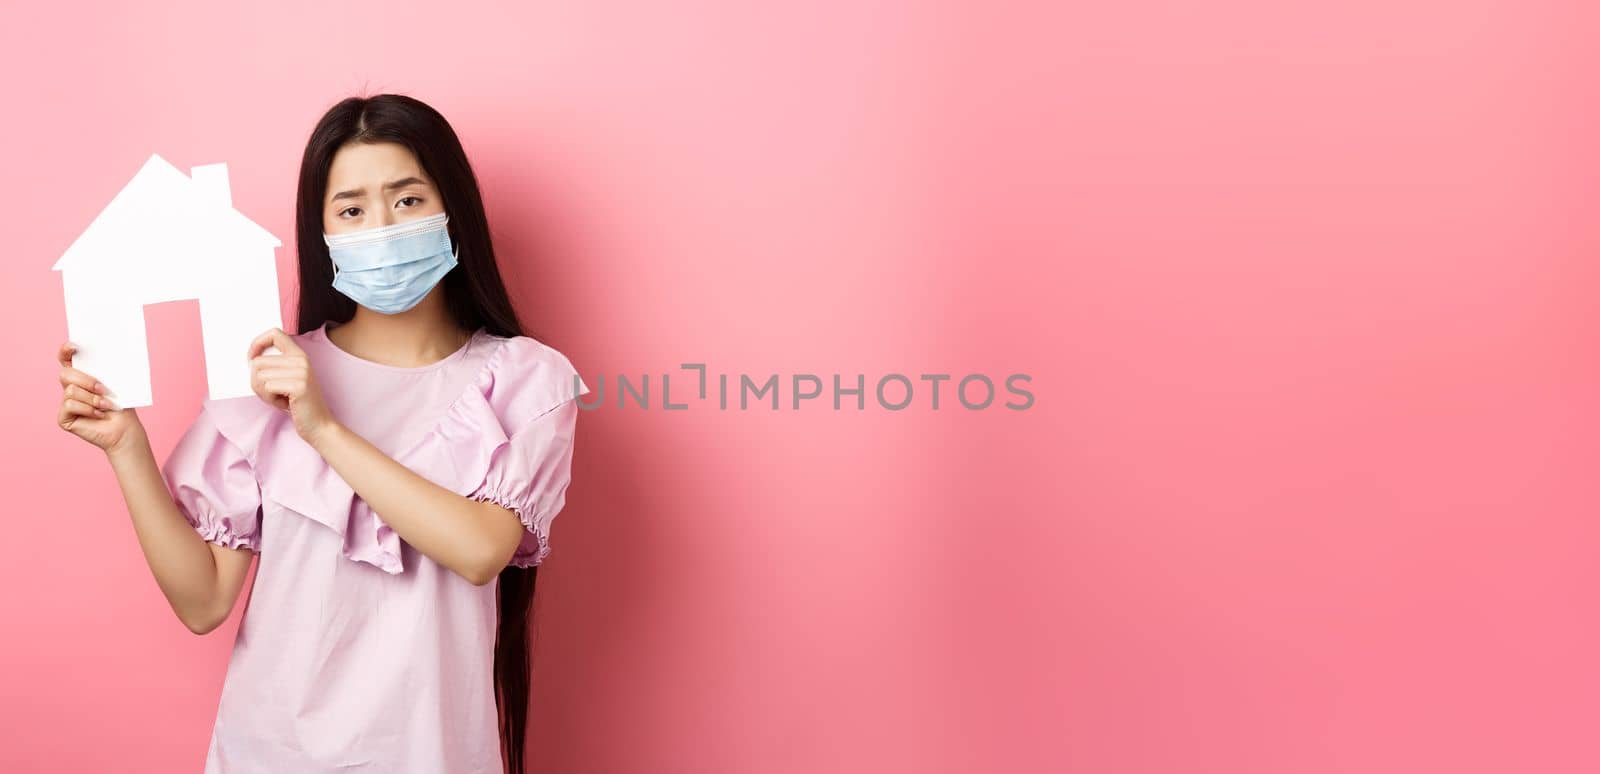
{"points": [[417, 337]]}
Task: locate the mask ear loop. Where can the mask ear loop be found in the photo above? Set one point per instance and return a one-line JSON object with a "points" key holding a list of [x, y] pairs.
{"points": [[455, 246]]}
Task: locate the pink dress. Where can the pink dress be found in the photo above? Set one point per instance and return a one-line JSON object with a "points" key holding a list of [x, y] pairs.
{"points": [[355, 652]]}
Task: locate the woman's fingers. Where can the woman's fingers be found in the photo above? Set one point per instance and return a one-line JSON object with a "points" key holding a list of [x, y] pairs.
{"points": [[81, 393], [285, 386], [279, 372], [73, 407], [263, 362], [71, 376], [274, 337], [284, 377], [78, 393]]}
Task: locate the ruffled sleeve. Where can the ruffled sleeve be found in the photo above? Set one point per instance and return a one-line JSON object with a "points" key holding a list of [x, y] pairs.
{"points": [[214, 486], [513, 438], [529, 474]]}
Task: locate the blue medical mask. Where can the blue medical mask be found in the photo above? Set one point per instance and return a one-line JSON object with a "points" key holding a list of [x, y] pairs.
{"points": [[390, 269]]}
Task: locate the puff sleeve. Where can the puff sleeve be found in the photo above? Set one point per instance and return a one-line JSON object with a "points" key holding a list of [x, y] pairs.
{"points": [[529, 474], [214, 486]]}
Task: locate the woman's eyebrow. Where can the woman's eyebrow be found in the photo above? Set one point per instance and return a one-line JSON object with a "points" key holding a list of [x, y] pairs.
{"points": [[357, 193]]}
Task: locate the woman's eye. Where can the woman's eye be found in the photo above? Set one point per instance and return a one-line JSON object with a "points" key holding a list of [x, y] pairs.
{"points": [[347, 211], [410, 198]]}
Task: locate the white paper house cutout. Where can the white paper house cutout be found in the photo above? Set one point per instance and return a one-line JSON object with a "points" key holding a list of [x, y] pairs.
{"points": [[169, 237]]}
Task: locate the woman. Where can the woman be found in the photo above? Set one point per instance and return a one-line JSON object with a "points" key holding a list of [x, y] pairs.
{"points": [[396, 472]]}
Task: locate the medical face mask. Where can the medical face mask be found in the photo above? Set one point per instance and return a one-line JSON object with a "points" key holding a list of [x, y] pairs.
{"points": [[391, 268]]}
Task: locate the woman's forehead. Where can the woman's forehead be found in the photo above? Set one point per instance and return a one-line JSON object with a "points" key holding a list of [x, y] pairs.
{"points": [[367, 165]]}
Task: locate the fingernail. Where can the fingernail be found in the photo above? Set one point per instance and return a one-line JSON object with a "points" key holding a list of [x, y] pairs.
{"points": [[99, 413], [100, 387]]}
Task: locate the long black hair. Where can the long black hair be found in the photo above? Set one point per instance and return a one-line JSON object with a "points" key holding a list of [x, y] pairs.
{"points": [[474, 296]]}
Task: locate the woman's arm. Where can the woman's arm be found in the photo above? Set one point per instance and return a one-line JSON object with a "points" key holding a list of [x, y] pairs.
{"points": [[201, 580], [474, 539]]}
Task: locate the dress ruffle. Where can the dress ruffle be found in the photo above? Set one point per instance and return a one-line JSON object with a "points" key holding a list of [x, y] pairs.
{"points": [[214, 487], [520, 381], [528, 473]]}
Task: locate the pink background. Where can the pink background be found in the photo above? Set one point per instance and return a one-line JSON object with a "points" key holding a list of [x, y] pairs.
{"points": [[1307, 295]]}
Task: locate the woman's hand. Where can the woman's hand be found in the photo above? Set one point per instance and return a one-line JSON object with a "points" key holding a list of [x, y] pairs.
{"points": [[86, 412], [285, 381]]}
